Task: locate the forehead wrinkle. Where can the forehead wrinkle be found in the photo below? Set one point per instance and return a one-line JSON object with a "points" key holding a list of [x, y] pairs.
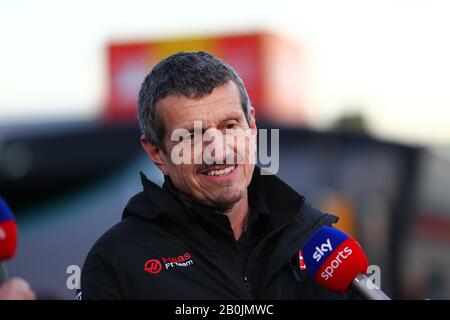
{"points": [[208, 115], [223, 103]]}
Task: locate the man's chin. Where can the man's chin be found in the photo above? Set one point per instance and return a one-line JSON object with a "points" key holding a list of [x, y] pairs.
{"points": [[226, 201]]}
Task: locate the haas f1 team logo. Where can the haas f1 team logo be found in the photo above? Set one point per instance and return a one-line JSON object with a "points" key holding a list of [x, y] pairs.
{"points": [[154, 266]]}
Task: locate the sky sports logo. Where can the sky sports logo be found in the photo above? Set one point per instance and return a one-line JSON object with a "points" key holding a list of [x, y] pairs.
{"points": [[334, 259], [155, 266], [341, 255], [320, 251]]}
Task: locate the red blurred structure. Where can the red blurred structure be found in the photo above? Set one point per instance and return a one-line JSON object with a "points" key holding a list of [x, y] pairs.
{"points": [[269, 65]]}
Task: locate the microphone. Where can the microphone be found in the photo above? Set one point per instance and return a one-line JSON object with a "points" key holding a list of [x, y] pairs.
{"points": [[8, 237], [337, 262]]}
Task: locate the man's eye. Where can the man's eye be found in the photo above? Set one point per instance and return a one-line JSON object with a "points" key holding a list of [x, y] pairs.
{"points": [[231, 125], [189, 136]]}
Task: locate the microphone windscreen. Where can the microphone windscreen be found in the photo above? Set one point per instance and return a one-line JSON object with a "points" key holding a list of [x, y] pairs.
{"points": [[334, 259], [8, 232]]}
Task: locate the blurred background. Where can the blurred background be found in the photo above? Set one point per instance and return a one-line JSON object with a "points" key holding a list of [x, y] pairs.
{"points": [[359, 90]]}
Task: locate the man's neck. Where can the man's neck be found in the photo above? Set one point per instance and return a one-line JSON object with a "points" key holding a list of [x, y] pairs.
{"points": [[238, 216]]}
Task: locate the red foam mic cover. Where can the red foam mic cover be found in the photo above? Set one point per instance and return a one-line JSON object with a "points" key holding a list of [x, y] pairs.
{"points": [[339, 270], [8, 239]]}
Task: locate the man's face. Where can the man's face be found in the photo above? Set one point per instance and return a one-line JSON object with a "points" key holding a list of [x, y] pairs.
{"points": [[217, 185]]}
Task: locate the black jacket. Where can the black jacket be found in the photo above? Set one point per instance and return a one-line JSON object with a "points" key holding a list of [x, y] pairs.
{"points": [[160, 250]]}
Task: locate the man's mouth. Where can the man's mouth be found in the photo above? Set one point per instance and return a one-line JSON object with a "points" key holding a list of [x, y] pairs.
{"points": [[221, 170]]}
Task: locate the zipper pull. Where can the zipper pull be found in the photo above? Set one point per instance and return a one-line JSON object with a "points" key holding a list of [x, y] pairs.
{"points": [[294, 270], [246, 283]]}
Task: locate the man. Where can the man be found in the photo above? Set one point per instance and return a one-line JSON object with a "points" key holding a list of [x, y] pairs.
{"points": [[215, 230]]}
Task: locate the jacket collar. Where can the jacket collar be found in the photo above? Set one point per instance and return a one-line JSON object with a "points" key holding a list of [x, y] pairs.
{"points": [[155, 202]]}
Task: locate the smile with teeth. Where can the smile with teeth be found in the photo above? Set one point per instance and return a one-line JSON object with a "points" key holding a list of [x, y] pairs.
{"points": [[221, 172]]}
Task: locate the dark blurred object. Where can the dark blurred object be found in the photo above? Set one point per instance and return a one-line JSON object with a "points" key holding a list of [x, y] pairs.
{"points": [[351, 122], [41, 161]]}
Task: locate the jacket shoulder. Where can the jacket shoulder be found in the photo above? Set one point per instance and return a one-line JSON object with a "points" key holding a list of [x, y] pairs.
{"points": [[106, 263], [308, 220], [127, 233], [311, 215]]}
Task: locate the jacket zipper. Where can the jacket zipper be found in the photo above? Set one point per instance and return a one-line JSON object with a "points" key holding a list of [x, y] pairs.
{"points": [[262, 242], [247, 284]]}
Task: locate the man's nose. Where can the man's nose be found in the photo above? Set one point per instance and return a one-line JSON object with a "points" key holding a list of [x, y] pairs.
{"points": [[220, 151]]}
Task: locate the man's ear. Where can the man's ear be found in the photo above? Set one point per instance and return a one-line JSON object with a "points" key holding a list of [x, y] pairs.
{"points": [[156, 154]]}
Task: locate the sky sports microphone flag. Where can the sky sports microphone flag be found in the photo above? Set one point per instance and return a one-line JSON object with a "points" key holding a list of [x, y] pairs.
{"points": [[8, 232], [334, 259]]}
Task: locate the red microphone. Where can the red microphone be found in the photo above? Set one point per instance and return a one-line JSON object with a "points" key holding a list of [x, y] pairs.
{"points": [[8, 237], [338, 263]]}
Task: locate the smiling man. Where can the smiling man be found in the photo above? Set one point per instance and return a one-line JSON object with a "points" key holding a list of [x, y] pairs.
{"points": [[220, 185], [218, 228]]}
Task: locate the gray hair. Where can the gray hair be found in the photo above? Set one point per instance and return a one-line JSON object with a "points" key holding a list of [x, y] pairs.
{"points": [[190, 74]]}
